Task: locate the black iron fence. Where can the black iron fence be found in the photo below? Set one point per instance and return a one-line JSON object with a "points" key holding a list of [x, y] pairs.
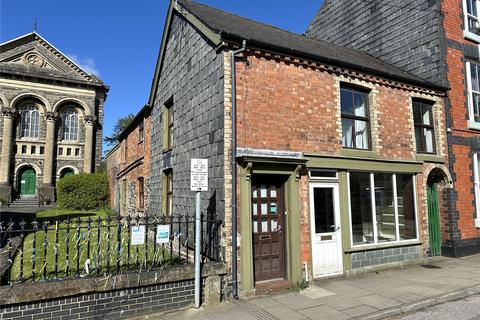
{"points": [[85, 246]]}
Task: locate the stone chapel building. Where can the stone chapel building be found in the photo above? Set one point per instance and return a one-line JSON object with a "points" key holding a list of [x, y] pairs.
{"points": [[51, 119]]}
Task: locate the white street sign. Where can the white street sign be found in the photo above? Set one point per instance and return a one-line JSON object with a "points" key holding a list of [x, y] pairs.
{"points": [[199, 175], [138, 235], [163, 233]]}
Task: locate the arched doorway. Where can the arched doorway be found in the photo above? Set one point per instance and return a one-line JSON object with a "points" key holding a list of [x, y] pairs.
{"points": [[436, 179], [67, 172], [27, 181]]}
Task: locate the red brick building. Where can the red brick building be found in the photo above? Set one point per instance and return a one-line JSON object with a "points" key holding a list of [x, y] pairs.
{"points": [[128, 165], [437, 41], [334, 151]]}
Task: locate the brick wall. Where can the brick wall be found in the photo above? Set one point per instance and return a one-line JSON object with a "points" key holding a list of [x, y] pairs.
{"points": [[113, 304], [130, 161], [462, 208], [286, 106]]}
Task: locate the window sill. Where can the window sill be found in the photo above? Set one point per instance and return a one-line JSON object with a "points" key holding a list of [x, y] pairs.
{"points": [[471, 36], [473, 125], [167, 150], [359, 153], [371, 247], [430, 158]]}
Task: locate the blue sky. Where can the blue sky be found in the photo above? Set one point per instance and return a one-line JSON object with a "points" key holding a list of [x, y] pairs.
{"points": [[119, 40]]}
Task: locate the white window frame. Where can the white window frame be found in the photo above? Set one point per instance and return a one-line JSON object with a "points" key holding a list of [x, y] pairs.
{"points": [[374, 213], [70, 119], [476, 184], [30, 129], [467, 33], [472, 124]]}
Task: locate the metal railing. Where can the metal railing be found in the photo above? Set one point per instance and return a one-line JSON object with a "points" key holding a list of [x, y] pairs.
{"points": [[54, 249]]}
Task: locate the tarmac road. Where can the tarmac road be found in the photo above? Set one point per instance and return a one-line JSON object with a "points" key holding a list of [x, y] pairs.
{"points": [[463, 309]]}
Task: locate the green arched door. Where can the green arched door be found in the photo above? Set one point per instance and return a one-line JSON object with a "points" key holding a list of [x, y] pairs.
{"points": [[28, 182], [434, 220]]}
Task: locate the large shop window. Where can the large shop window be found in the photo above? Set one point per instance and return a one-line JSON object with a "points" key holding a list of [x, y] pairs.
{"points": [[382, 207], [355, 118], [424, 128], [473, 84]]}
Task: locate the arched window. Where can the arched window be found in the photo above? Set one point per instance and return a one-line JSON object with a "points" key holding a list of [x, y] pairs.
{"points": [[69, 125], [67, 172], [30, 122]]}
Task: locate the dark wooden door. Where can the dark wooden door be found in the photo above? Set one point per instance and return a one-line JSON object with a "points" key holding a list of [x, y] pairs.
{"points": [[268, 218]]}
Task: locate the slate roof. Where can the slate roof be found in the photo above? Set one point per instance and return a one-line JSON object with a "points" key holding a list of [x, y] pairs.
{"points": [[234, 28]]}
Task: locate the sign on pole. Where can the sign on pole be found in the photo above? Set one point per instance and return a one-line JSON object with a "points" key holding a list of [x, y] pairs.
{"points": [[199, 175]]}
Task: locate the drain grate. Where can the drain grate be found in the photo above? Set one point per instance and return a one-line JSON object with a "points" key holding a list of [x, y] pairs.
{"points": [[430, 266], [256, 311]]}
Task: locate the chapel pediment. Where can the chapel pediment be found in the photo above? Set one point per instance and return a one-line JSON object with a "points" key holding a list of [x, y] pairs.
{"points": [[34, 56]]}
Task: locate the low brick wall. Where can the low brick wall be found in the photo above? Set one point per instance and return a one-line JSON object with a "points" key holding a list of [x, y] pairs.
{"points": [[114, 297]]}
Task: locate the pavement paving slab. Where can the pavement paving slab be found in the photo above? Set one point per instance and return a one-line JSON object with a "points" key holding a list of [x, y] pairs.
{"points": [[371, 296]]}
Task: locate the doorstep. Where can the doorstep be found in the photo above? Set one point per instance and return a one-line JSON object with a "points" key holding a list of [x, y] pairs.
{"points": [[272, 286]]}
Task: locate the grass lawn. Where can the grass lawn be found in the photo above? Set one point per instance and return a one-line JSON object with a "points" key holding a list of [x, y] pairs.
{"points": [[91, 250]]}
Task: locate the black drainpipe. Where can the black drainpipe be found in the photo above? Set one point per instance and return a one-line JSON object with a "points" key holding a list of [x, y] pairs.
{"points": [[234, 170]]}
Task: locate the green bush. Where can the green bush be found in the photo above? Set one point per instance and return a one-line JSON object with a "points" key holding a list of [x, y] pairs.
{"points": [[84, 191]]}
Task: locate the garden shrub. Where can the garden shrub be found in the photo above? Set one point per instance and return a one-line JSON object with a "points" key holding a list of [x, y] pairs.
{"points": [[84, 191]]}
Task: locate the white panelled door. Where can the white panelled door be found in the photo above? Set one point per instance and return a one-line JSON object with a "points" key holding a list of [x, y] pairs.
{"points": [[326, 234]]}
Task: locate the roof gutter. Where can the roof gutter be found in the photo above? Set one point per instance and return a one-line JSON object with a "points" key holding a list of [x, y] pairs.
{"points": [[234, 168]]}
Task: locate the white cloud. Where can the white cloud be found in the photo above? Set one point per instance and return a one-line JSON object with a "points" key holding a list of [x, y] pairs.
{"points": [[87, 65]]}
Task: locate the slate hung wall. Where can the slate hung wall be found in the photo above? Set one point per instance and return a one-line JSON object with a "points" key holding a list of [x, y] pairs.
{"points": [[192, 79]]}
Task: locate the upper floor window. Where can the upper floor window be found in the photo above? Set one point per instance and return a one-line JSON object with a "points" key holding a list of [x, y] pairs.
{"points": [[424, 128], [355, 118], [70, 125], [141, 132], [30, 122], [168, 192], [471, 22], [168, 125], [473, 86]]}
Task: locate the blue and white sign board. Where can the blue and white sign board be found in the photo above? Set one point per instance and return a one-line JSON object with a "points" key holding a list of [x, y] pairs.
{"points": [[199, 175], [138, 235], [163, 234]]}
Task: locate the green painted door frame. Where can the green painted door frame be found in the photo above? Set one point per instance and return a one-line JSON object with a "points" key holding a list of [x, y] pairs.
{"points": [[434, 220], [28, 182], [292, 221]]}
